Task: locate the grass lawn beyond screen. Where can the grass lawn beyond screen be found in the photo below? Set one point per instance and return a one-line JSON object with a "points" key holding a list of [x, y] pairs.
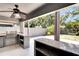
{"points": [[69, 37]]}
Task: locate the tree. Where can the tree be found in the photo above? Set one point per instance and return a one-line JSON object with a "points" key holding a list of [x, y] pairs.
{"points": [[63, 19], [73, 26], [75, 12], [50, 30]]}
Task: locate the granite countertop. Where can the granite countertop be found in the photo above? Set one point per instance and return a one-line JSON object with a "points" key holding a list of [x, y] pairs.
{"points": [[2, 34], [60, 45], [22, 34], [7, 33]]}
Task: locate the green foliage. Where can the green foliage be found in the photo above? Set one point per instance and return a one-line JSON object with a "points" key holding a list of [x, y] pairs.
{"points": [[63, 30], [44, 21], [77, 34], [73, 27], [50, 30], [75, 12], [63, 19], [26, 24], [32, 24]]}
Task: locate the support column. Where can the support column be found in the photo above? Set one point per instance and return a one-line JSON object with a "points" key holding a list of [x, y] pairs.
{"points": [[28, 28], [57, 26], [21, 27]]}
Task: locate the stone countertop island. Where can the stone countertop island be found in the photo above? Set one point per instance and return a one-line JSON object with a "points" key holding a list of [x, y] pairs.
{"points": [[71, 48]]}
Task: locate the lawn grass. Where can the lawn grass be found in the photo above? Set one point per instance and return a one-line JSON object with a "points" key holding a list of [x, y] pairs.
{"points": [[69, 37]]}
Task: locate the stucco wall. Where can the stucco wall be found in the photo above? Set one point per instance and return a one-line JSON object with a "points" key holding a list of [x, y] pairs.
{"points": [[37, 31]]}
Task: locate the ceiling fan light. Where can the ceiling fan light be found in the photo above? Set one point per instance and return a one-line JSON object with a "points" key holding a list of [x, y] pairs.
{"points": [[16, 15]]}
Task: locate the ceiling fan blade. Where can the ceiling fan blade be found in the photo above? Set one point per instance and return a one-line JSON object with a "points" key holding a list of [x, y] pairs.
{"points": [[12, 16], [6, 11], [23, 15]]}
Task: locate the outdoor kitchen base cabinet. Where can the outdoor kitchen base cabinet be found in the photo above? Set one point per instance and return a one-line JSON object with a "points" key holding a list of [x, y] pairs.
{"points": [[10, 41], [23, 41], [42, 49], [2, 43]]}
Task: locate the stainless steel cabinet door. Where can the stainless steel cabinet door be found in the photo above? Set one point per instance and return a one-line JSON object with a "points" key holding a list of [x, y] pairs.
{"points": [[1, 41], [10, 41]]}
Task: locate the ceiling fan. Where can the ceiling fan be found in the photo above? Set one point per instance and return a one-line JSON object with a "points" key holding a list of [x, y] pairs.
{"points": [[17, 13]]}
